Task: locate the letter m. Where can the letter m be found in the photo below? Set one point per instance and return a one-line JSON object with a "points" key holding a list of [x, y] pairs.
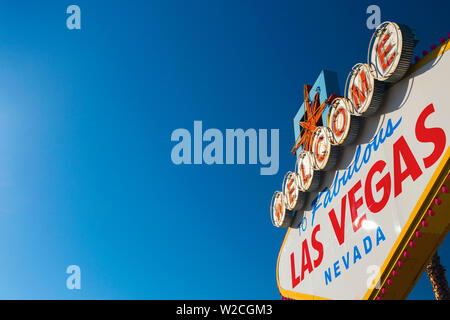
{"points": [[359, 94], [241, 136]]}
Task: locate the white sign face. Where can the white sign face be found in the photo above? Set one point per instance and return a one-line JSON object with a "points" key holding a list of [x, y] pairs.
{"points": [[391, 51], [386, 51], [305, 170], [278, 211], [294, 198], [353, 226], [321, 147], [361, 88], [339, 120]]}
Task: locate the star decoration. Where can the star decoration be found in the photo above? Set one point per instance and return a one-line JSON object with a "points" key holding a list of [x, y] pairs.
{"points": [[312, 116]]}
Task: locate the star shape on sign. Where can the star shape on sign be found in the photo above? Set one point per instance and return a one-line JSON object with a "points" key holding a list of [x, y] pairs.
{"points": [[312, 115]]}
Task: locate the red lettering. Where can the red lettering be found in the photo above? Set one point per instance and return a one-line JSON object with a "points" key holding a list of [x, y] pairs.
{"points": [[318, 156], [278, 210], [354, 206], [295, 279], [402, 150], [382, 54], [339, 228], [306, 259], [433, 135], [317, 245], [340, 131], [291, 191], [359, 96], [304, 177], [384, 183]]}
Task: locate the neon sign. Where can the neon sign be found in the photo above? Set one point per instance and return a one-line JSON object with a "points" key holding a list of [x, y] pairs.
{"points": [[365, 207], [328, 121]]}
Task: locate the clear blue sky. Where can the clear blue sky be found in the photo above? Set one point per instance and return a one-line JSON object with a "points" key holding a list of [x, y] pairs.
{"points": [[86, 116]]}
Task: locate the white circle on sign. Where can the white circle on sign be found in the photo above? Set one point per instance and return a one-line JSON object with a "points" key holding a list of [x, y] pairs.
{"points": [[321, 147], [305, 170], [339, 118], [361, 87], [278, 210], [291, 190], [386, 50]]}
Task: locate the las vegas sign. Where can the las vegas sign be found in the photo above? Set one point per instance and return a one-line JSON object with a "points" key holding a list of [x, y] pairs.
{"points": [[366, 205]]}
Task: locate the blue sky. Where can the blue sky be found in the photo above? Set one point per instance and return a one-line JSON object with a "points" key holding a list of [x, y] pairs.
{"points": [[86, 117]]}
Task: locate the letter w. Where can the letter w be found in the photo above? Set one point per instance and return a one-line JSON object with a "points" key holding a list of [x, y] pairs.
{"points": [[339, 228]]}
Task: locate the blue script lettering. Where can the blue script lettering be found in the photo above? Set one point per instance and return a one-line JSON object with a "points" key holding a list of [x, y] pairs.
{"points": [[358, 163]]}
